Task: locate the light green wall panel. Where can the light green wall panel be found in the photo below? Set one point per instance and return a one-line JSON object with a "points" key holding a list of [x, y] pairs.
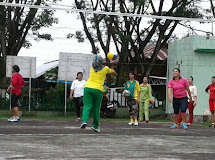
{"points": [[199, 65]]}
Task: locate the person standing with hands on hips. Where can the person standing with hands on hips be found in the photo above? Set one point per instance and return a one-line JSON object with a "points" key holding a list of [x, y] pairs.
{"points": [[77, 92], [16, 89], [179, 86]]}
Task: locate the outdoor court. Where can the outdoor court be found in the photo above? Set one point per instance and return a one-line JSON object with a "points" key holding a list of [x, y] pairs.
{"points": [[57, 139]]}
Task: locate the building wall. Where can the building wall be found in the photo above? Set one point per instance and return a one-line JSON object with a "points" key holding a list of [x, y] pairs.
{"points": [[199, 65]]}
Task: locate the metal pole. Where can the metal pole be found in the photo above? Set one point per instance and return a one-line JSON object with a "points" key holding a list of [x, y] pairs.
{"points": [[65, 85], [10, 80], [29, 105], [167, 78]]}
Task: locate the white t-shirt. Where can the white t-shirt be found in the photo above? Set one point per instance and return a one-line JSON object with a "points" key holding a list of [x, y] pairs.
{"points": [[193, 90], [78, 87]]}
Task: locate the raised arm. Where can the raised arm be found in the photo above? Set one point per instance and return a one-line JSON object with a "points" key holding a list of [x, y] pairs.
{"points": [[114, 74]]}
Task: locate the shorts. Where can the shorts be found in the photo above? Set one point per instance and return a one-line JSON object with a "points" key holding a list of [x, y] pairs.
{"points": [[132, 107], [14, 100], [180, 104], [212, 105]]}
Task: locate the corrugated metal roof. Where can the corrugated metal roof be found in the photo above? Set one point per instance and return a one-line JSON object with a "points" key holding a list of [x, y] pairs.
{"points": [[46, 67], [148, 51]]}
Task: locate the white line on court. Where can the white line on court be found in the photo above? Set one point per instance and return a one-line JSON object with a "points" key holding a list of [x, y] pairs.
{"points": [[70, 134]]}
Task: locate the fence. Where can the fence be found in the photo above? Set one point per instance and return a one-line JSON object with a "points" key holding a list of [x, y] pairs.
{"points": [[43, 103], [56, 102]]}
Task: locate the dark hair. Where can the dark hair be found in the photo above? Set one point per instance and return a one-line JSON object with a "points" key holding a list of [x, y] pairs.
{"points": [[130, 72], [16, 68], [79, 73], [146, 77], [177, 70], [213, 77], [191, 77]]}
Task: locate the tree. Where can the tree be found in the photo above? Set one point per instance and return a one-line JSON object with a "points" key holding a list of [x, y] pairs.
{"points": [[129, 33], [16, 23], [212, 7]]}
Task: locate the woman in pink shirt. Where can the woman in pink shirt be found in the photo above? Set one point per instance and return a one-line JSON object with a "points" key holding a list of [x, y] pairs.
{"points": [[179, 86]]}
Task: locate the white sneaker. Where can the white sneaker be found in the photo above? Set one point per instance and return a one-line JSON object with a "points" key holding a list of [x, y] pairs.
{"points": [[14, 120], [83, 125], [131, 123], [95, 129], [136, 123], [10, 119]]}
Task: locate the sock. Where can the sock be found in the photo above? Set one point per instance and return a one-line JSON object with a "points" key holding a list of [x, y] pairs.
{"points": [[132, 121], [136, 121], [16, 117]]}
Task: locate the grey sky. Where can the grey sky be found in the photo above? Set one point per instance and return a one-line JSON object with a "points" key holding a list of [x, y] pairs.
{"points": [[68, 23]]}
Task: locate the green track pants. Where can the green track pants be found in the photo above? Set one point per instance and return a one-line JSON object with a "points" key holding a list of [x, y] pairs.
{"points": [[144, 105], [92, 100]]}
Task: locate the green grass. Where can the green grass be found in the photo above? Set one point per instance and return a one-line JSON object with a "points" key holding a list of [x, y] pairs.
{"points": [[206, 124]]}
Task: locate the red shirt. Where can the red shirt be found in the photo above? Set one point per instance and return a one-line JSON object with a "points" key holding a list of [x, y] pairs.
{"points": [[211, 87], [17, 82]]}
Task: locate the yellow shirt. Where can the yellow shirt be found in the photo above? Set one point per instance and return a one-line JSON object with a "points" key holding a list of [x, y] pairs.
{"points": [[137, 89], [96, 79]]}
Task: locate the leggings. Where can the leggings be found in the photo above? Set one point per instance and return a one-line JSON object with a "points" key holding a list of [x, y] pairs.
{"points": [[78, 104]]}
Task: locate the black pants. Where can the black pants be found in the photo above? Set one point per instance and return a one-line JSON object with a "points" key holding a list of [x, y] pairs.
{"points": [[78, 103], [14, 100]]}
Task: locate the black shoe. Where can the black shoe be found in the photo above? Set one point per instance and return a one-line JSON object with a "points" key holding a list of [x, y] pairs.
{"points": [[212, 125]]}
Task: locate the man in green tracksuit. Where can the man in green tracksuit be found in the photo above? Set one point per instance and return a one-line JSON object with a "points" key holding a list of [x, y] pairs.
{"points": [[145, 98]]}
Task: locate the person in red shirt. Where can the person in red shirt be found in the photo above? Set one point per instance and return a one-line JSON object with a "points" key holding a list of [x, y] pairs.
{"points": [[15, 88], [211, 90]]}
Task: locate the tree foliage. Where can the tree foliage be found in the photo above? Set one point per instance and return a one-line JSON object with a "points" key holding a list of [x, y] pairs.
{"points": [[16, 23], [133, 33]]}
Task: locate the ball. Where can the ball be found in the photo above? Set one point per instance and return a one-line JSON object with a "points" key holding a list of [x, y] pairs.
{"points": [[105, 91], [126, 93], [111, 56]]}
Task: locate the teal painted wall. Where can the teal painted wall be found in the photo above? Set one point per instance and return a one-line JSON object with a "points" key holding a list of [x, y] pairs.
{"points": [[199, 65]]}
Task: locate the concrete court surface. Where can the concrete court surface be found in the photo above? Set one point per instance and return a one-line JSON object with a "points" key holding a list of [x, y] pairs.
{"points": [[57, 139]]}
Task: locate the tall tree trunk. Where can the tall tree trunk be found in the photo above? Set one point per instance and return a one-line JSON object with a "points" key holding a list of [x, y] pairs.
{"points": [[212, 7]]}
